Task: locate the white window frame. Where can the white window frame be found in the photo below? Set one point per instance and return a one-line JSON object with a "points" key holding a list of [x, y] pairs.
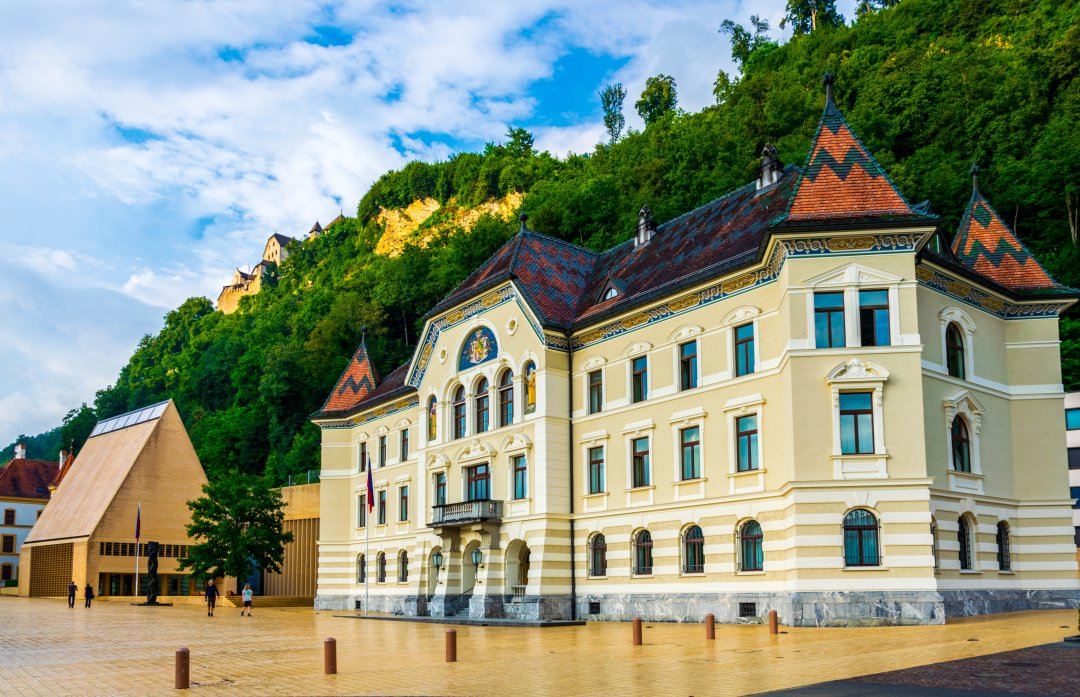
{"points": [[964, 403], [592, 365], [857, 375], [750, 480], [747, 314], [849, 280], [955, 315]]}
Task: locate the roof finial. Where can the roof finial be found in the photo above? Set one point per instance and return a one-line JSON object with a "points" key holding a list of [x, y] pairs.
{"points": [[974, 179], [828, 79], [363, 333], [523, 217]]}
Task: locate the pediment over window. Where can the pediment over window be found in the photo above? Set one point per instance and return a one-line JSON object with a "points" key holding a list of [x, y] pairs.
{"points": [[858, 370], [476, 451], [963, 402], [853, 275], [438, 462], [517, 443], [740, 315]]}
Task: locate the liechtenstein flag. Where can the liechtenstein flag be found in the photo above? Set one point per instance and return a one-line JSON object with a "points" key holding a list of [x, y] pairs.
{"points": [[138, 521], [370, 489]]}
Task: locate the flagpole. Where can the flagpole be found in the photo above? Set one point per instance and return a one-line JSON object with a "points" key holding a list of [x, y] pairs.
{"points": [[367, 555]]}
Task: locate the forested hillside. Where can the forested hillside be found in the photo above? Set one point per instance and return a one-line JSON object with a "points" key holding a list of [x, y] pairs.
{"points": [[929, 85]]}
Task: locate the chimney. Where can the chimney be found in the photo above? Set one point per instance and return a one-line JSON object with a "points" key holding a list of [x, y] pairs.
{"points": [[645, 226], [61, 460], [770, 167], [20, 451]]}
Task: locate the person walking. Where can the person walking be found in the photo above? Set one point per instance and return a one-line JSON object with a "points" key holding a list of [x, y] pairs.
{"points": [[248, 593], [72, 590], [211, 595], [88, 594]]}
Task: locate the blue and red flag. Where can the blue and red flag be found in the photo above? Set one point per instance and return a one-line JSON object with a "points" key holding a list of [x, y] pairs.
{"points": [[138, 521], [370, 489]]}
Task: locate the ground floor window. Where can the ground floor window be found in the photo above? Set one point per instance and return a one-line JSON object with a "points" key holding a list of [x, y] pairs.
{"points": [[643, 562], [598, 555], [693, 551], [751, 553]]}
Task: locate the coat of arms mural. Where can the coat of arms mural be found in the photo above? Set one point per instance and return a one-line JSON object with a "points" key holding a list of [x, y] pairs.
{"points": [[479, 348]]}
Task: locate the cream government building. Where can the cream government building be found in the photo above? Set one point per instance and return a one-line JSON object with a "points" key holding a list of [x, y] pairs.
{"points": [[799, 396]]}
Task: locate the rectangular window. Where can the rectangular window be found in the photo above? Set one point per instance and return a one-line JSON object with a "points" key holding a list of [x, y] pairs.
{"points": [[381, 508], [829, 320], [440, 489], [690, 456], [1074, 458], [688, 365], [363, 457], [596, 470], [1074, 493], [744, 349], [520, 476], [403, 503], [404, 444], [361, 511], [746, 443], [596, 391], [856, 423], [478, 484], [640, 463], [9, 544], [1072, 419], [639, 381], [382, 451], [5, 574], [874, 317], [9, 516]]}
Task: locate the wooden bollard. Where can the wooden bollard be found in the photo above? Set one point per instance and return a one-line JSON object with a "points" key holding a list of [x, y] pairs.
{"points": [[637, 631], [451, 646], [774, 621], [183, 669], [330, 656], [710, 626]]}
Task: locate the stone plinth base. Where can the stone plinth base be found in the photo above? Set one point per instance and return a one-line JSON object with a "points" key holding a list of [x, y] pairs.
{"points": [[985, 602]]}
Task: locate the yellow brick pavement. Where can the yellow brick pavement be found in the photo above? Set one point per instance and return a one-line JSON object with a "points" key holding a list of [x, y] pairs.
{"points": [[116, 649]]}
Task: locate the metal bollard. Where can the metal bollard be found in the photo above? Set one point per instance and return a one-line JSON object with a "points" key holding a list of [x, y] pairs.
{"points": [[637, 631], [451, 646], [710, 626], [773, 622], [330, 656], [183, 669]]}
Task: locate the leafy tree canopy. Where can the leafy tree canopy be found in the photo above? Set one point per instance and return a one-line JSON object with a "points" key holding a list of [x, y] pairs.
{"points": [[658, 98], [237, 528]]}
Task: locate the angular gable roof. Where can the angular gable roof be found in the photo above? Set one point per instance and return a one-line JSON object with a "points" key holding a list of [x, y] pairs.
{"points": [[357, 381], [985, 244], [27, 479], [842, 180], [283, 240]]}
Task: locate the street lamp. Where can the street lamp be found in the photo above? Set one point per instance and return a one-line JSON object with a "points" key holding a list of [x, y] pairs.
{"points": [[477, 557], [436, 561]]}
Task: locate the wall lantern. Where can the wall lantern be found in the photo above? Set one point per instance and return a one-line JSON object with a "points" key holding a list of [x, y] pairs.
{"points": [[436, 560], [477, 557]]}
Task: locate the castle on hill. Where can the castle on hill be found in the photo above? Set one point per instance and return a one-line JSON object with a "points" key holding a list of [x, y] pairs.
{"points": [[276, 251]]}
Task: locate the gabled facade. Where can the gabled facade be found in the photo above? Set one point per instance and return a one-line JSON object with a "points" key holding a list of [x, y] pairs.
{"points": [[87, 532], [780, 400], [24, 491]]}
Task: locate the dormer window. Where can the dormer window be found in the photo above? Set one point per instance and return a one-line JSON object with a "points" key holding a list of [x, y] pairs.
{"points": [[612, 289], [610, 293]]}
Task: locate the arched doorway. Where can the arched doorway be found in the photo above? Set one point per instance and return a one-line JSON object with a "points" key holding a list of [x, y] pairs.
{"points": [[516, 570], [468, 569], [433, 571]]}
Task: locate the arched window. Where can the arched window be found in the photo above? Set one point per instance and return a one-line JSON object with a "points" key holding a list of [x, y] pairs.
{"points": [[380, 568], [963, 535], [954, 351], [483, 402], [861, 539], [934, 543], [432, 418], [506, 398], [693, 551], [597, 555], [1004, 556], [751, 554], [402, 566], [961, 445], [361, 568], [459, 412], [643, 553]]}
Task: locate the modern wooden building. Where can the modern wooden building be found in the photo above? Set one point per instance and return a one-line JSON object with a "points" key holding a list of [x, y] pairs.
{"points": [[801, 396], [87, 532]]}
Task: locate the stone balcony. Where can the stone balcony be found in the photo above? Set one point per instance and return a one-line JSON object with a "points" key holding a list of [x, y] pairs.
{"points": [[449, 515]]}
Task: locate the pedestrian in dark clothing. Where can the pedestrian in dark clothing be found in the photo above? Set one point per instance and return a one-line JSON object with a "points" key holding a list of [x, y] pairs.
{"points": [[211, 595], [72, 590], [88, 594]]}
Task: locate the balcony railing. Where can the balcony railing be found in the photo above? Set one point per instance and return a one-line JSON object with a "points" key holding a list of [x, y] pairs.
{"points": [[450, 514]]}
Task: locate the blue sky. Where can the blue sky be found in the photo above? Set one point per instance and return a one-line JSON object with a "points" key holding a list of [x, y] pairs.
{"points": [[150, 148]]}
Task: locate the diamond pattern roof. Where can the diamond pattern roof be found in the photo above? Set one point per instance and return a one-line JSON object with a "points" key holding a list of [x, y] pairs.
{"points": [[356, 383]]}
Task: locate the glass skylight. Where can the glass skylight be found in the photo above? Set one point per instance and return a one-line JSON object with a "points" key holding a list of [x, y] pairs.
{"points": [[131, 418]]}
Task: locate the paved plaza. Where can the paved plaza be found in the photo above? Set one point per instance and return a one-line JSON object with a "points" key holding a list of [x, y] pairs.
{"points": [[117, 649]]}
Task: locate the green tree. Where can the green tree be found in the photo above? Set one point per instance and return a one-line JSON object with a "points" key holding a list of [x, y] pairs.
{"points": [[743, 42], [865, 7], [237, 527], [806, 16], [611, 101], [78, 423], [658, 98]]}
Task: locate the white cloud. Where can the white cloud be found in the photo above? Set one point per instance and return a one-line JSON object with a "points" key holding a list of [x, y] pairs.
{"points": [[237, 126]]}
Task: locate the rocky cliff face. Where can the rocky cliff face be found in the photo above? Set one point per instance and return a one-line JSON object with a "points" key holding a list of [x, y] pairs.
{"points": [[423, 219]]}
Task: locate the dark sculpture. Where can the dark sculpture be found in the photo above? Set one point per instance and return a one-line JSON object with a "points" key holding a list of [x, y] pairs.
{"points": [[152, 572]]}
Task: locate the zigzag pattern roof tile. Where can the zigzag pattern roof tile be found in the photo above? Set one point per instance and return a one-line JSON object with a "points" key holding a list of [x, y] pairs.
{"points": [[986, 244], [357, 381]]}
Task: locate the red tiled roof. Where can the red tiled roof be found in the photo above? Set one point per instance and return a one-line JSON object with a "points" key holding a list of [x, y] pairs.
{"points": [[392, 387], [985, 244], [27, 479], [62, 472], [841, 179], [357, 382]]}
